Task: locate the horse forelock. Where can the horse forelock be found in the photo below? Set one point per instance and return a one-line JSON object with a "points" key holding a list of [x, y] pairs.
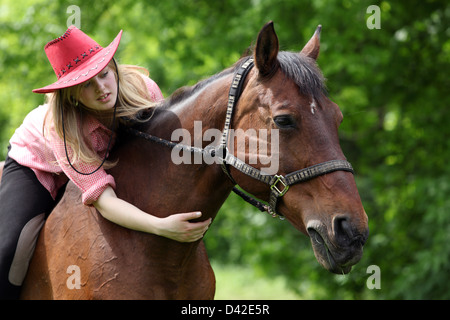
{"points": [[304, 72]]}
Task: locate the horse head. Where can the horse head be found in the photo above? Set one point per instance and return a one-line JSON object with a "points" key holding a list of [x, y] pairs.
{"points": [[285, 94]]}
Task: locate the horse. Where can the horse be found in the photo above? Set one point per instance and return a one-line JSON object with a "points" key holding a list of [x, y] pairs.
{"points": [[81, 255]]}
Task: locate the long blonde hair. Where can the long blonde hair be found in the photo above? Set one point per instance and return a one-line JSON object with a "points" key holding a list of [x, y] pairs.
{"points": [[133, 98]]}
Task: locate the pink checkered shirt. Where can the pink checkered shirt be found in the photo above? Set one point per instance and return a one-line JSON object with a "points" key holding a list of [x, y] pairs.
{"points": [[47, 158]]}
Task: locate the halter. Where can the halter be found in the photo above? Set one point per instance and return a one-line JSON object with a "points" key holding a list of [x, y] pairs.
{"points": [[278, 184]]}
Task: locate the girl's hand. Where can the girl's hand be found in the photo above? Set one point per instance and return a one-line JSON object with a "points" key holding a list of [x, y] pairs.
{"points": [[178, 227]]}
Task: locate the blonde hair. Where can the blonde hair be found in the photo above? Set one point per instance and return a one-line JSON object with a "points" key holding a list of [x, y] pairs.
{"points": [[133, 99]]}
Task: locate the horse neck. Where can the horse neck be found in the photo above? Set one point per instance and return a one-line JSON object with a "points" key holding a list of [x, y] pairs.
{"points": [[193, 111]]}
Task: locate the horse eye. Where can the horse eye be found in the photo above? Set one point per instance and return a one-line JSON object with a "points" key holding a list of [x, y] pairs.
{"points": [[284, 121]]}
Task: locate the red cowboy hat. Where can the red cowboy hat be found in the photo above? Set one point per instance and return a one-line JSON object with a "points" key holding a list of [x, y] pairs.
{"points": [[76, 58]]}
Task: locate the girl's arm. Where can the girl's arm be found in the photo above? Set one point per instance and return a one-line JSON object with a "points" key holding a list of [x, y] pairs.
{"points": [[176, 227]]}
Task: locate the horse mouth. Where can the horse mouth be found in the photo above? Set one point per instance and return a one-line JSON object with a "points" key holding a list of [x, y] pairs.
{"points": [[324, 255], [335, 253]]}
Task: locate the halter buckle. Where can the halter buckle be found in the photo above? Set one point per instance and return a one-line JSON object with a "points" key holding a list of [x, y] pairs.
{"points": [[274, 187]]}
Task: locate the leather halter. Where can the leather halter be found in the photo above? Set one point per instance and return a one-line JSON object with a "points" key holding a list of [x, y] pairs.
{"points": [[278, 184]]}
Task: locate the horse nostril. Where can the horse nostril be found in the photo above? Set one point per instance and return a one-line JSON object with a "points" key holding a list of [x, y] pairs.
{"points": [[345, 234], [342, 230]]}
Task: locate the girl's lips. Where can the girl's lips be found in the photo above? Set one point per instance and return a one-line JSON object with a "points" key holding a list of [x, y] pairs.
{"points": [[104, 98]]}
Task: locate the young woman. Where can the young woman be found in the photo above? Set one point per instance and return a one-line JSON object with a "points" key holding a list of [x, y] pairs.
{"points": [[69, 137]]}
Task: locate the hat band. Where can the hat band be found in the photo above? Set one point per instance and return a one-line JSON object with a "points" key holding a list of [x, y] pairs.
{"points": [[88, 71], [84, 55]]}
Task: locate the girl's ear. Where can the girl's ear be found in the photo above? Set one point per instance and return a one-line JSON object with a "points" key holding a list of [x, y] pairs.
{"points": [[74, 101]]}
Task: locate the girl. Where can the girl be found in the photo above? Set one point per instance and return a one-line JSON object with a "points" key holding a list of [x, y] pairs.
{"points": [[68, 138]]}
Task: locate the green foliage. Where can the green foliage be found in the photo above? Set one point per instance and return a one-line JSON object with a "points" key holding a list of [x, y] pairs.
{"points": [[242, 283], [391, 84]]}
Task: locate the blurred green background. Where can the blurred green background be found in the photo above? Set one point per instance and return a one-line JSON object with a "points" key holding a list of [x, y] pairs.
{"points": [[391, 83]]}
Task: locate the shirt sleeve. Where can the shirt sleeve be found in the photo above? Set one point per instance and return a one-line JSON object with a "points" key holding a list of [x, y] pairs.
{"points": [[91, 186], [153, 89]]}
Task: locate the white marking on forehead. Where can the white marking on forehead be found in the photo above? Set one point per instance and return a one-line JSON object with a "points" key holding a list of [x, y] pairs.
{"points": [[313, 106]]}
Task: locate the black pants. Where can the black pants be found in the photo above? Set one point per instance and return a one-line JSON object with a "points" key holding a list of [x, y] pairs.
{"points": [[22, 198]]}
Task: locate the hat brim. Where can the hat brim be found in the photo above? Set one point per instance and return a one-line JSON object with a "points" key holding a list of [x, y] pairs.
{"points": [[87, 71]]}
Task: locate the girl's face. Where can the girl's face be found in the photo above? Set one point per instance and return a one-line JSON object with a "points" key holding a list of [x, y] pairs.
{"points": [[100, 92]]}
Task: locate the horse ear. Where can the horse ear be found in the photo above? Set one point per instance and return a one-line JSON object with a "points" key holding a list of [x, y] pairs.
{"points": [[266, 51], [311, 49]]}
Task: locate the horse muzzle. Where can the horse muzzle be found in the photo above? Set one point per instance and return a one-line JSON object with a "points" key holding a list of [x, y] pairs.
{"points": [[339, 248]]}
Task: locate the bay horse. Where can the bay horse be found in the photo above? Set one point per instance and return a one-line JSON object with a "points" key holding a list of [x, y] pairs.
{"points": [[81, 255]]}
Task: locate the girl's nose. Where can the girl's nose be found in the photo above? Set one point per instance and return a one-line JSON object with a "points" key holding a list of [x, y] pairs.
{"points": [[98, 85]]}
